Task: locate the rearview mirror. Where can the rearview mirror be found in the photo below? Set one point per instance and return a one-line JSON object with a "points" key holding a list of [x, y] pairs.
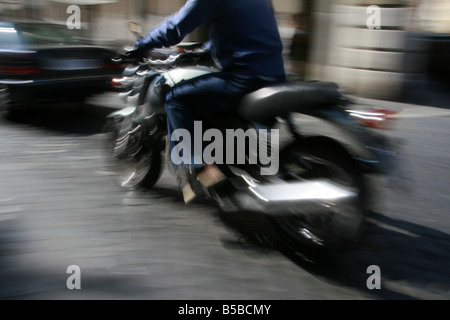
{"points": [[135, 28]]}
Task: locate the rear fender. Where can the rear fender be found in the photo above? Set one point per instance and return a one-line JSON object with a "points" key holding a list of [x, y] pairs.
{"points": [[372, 152]]}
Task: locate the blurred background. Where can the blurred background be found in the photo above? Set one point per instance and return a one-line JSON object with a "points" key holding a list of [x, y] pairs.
{"points": [[59, 205], [405, 60]]}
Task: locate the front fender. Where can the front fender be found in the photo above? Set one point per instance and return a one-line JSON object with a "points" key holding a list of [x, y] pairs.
{"points": [[122, 113]]}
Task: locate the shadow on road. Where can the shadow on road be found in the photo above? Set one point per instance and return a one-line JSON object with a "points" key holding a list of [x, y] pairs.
{"points": [[414, 261], [71, 118], [21, 278]]}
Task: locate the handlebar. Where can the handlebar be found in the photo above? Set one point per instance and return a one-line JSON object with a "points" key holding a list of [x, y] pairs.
{"points": [[183, 53], [164, 62]]}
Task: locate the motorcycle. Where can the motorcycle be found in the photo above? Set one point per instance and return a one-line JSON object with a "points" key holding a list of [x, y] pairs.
{"points": [[319, 197]]}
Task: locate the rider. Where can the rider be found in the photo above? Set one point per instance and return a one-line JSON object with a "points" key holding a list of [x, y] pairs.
{"points": [[244, 39]]}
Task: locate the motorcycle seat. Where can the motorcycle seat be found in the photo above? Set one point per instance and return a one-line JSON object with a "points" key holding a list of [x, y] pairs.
{"points": [[264, 105]]}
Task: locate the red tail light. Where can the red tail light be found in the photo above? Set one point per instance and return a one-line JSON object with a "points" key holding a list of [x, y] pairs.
{"points": [[19, 70], [112, 65], [378, 118]]}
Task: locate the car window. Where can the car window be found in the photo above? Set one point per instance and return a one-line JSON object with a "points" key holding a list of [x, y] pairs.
{"points": [[36, 34], [8, 37]]}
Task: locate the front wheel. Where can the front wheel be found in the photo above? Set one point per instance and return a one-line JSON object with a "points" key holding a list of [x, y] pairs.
{"points": [[134, 158], [331, 230]]}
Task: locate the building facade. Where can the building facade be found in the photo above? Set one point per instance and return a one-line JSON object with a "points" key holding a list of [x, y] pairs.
{"points": [[332, 40]]}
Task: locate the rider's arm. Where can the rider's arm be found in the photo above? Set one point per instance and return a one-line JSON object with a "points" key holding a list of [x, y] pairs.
{"points": [[173, 29]]}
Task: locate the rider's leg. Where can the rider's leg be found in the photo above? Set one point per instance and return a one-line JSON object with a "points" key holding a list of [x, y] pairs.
{"points": [[215, 93]]}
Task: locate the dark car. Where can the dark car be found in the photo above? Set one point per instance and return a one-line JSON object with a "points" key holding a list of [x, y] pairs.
{"points": [[42, 62]]}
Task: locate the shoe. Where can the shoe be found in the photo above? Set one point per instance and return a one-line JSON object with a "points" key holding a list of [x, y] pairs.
{"points": [[196, 182], [210, 176], [188, 194], [185, 178]]}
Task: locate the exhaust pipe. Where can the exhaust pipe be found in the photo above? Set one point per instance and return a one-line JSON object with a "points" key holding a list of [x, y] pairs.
{"points": [[305, 197]]}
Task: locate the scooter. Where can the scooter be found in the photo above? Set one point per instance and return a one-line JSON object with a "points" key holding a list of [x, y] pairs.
{"points": [[315, 192]]}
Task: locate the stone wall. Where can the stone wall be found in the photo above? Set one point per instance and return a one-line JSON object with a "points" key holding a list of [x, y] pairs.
{"points": [[364, 61]]}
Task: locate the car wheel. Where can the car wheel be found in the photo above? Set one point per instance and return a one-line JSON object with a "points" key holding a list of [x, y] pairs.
{"points": [[5, 101]]}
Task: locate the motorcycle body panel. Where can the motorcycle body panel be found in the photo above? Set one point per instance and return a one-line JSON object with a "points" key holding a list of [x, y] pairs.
{"points": [[178, 75]]}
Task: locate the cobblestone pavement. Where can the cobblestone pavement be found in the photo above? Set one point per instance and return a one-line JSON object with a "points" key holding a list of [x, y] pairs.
{"points": [[59, 207]]}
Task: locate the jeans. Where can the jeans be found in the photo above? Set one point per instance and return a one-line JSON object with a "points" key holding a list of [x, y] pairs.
{"points": [[217, 93]]}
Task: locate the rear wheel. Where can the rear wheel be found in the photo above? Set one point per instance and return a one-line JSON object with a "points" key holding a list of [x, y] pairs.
{"points": [[333, 228], [134, 158]]}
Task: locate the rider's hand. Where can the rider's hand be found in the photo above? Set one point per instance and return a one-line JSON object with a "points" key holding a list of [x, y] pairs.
{"points": [[133, 54]]}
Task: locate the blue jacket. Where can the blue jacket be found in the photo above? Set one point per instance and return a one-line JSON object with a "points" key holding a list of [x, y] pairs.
{"points": [[244, 35]]}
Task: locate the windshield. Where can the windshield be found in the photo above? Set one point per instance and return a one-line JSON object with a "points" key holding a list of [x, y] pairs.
{"points": [[44, 34], [8, 36]]}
